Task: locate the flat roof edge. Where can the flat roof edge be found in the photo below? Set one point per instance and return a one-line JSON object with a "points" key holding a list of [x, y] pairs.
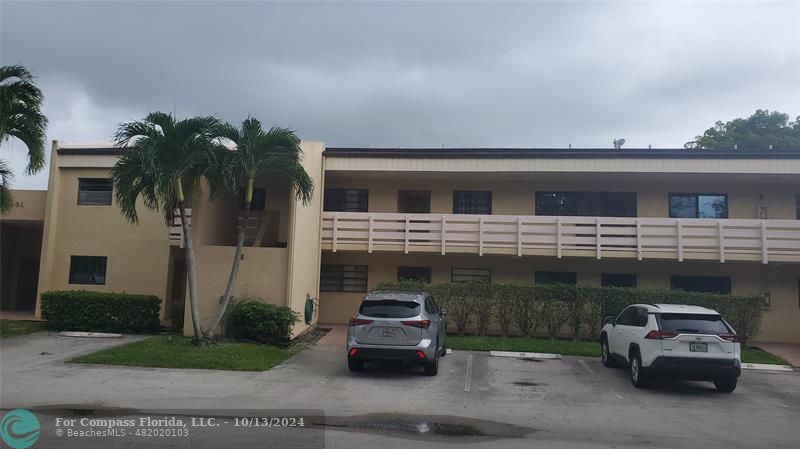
{"points": [[557, 153]]}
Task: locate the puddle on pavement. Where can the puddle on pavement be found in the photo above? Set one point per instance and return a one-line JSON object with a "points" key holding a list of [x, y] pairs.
{"points": [[530, 359], [426, 427], [526, 383]]}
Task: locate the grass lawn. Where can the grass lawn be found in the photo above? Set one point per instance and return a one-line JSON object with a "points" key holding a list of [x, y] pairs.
{"points": [[177, 352], [11, 328], [756, 355], [565, 347], [568, 347]]}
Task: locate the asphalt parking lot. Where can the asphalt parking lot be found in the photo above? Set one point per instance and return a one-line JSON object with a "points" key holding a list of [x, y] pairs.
{"points": [[476, 399]]}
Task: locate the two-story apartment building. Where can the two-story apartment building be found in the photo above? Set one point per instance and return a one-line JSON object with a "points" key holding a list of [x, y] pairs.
{"points": [[723, 221]]}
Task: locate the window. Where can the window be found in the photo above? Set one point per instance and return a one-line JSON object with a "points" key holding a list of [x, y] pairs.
{"points": [[346, 200], [94, 191], [618, 280], [693, 323], [556, 277], [430, 306], [586, 204], [389, 309], [343, 278], [414, 201], [695, 205], [627, 317], [259, 201], [470, 275], [422, 274], [87, 270], [705, 284], [465, 202]]}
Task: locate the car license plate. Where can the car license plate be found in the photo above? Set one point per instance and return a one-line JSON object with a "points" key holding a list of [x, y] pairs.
{"points": [[698, 347], [389, 332]]}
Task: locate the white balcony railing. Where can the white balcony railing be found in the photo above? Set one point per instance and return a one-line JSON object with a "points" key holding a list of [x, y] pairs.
{"points": [[641, 238], [176, 230]]}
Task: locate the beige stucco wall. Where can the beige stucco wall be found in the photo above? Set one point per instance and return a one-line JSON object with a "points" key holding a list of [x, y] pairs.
{"points": [[262, 274], [516, 197], [29, 205], [138, 255], [304, 237], [780, 323]]}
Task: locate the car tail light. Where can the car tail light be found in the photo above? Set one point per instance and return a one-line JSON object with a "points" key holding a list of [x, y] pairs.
{"points": [[358, 322], [422, 324], [420, 355], [660, 335], [730, 337], [352, 352]]}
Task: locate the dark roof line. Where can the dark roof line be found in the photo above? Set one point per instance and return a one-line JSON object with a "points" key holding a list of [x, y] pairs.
{"points": [[559, 153], [99, 151]]}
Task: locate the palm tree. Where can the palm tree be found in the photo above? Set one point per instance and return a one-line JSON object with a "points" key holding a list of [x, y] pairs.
{"points": [[21, 118], [6, 200], [276, 151], [163, 156]]}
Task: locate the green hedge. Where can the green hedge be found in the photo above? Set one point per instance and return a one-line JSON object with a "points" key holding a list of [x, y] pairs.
{"points": [[528, 309], [81, 310], [253, 320]]}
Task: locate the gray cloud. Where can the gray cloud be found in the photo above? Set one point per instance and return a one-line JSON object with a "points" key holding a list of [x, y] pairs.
{"points": [[411, 74]]}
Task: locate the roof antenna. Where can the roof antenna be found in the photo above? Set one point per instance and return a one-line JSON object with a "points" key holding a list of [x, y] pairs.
{"points": [[570, 146], [618, 143], [649, 146]]}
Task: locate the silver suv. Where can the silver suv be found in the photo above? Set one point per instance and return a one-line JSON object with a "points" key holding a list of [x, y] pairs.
{"points": [[396, 325]]}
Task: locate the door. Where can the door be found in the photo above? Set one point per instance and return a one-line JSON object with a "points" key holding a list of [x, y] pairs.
{"points": [[620, 338], [27, 283], [414, 201]]}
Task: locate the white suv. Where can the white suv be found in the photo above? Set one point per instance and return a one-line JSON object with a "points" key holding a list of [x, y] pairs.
{"points": [[667, 340]]}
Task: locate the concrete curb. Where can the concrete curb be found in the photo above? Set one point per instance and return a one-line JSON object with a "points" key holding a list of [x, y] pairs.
{"points": [[525, 355], [89, 335], [766, 367]]}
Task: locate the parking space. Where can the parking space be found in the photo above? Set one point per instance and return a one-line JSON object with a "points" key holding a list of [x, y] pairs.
{"points": [[558, 403]]}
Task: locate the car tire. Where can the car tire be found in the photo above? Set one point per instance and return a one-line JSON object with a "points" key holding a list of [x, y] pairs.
{"points": [[605, 354], [725, 385], [355, 365], [432, 368], [638, 378]]}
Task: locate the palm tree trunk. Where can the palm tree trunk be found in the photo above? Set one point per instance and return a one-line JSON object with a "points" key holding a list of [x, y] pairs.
{"points": [[226, 297], [237, 256], [191, 268]]}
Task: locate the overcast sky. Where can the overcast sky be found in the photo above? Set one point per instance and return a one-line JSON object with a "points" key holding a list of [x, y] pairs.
{"points": [[525, 74]]}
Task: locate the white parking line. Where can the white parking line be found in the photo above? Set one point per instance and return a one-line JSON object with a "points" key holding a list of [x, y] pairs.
{"points": [[468, 380], [776, 402], [619, 396]]}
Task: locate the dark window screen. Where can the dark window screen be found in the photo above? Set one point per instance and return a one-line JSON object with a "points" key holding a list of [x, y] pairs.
{"points": [[87, 270], [704, 284], [94, 191], [343, 278], [556, 277], [346, 200], [471, 202]]}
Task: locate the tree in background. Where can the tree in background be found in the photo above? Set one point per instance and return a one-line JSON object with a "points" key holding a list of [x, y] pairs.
{"points": [[755, 133], [21, 118], [273, 152], [164, 156]]}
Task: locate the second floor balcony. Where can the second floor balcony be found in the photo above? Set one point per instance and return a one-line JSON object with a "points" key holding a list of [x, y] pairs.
{"points": [[638, 238]]}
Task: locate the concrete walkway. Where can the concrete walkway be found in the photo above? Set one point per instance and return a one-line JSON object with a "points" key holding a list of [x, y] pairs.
{"points": [[790, 352]]}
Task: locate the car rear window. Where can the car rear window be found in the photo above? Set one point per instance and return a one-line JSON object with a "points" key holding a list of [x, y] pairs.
{"points": [[693, 323], [389, 309]]}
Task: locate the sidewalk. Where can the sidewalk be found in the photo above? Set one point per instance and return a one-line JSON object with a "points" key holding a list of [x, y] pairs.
{"points": [[789, 351]]}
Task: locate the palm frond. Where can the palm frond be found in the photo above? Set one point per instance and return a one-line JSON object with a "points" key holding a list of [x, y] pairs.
{"points": [[20, 113], [6, 197]]}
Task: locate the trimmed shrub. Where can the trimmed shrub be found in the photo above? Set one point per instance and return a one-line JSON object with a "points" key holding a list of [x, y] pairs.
{"points": [[580, 308], [81, 310], [253, 320]]}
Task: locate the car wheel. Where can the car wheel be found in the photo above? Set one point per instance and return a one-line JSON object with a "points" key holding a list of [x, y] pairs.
{"points": [[638, 378], [355, 365], [605, 354], [725, 385], [432, 368]]}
